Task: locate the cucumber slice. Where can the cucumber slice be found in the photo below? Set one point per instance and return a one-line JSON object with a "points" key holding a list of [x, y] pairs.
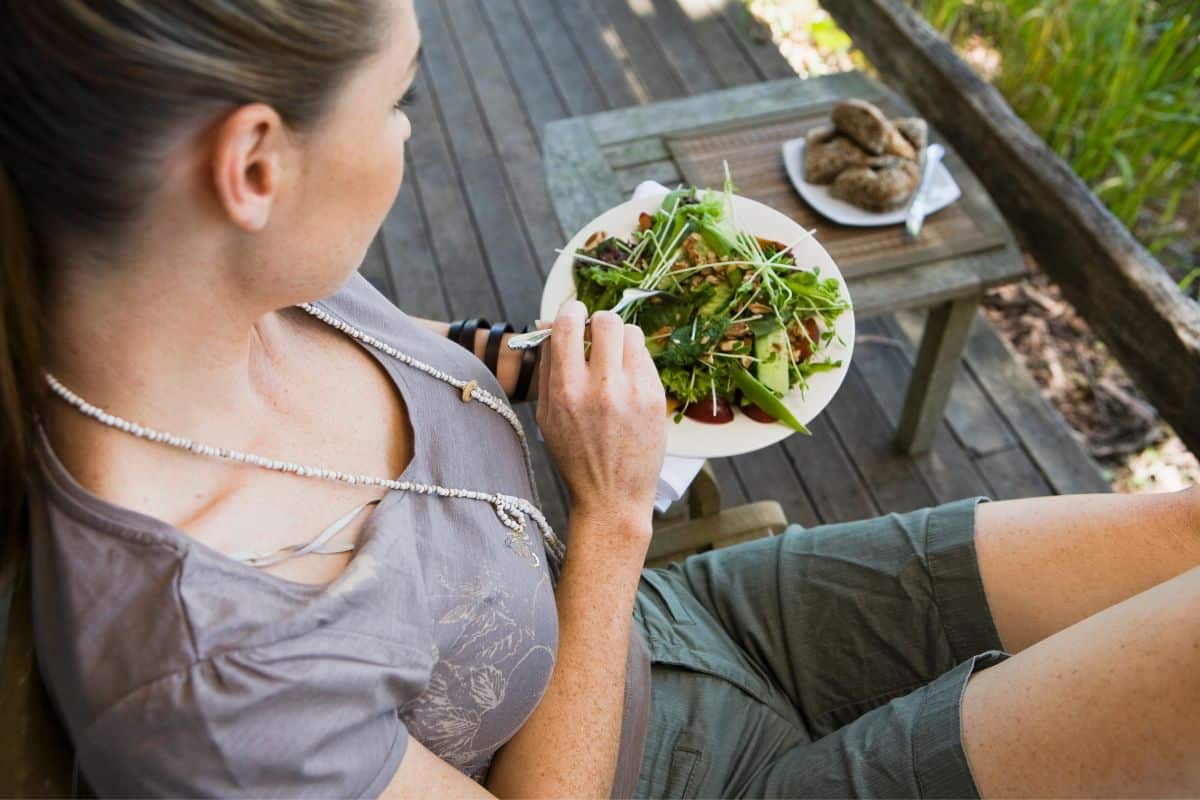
{"points": [[772, 365], [721, 294]]}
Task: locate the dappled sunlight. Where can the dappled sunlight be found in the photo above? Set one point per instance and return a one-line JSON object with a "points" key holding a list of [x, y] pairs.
{"points": [[806, 36], [616, 47], [643, 8], [699, 10]]}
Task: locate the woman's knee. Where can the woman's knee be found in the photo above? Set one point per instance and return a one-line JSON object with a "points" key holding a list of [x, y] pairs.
{"points": [[1190, 504], [1192, 501]]}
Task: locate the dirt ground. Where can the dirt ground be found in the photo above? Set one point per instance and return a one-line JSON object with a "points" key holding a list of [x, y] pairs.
{"points": [[1077, 374]]}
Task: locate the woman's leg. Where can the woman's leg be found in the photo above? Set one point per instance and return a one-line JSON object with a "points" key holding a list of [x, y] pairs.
{"points": [[1110, 706], [1049, 562]]}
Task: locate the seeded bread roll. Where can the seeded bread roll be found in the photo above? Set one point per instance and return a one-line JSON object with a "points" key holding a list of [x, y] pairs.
{"points": [[869, 128], [915, 129], [883, 183], [827, 155]]}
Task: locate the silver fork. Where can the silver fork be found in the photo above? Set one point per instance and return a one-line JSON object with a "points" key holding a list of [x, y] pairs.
{"points": [[528, 341]]}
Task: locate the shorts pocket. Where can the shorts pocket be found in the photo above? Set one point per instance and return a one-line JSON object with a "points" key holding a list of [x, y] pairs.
{"points": [[686, 770], [680, 632]]}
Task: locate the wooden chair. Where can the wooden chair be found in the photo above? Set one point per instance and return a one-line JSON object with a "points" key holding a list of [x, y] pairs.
{"points": [[711, 527], [36, 759]]}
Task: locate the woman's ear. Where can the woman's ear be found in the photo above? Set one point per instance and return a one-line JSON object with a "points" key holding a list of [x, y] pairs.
{"points": [[247, 162]]}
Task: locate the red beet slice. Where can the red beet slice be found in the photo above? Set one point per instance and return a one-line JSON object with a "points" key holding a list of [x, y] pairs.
{"points": [[757, 414], [703, 411], [814, 333]]}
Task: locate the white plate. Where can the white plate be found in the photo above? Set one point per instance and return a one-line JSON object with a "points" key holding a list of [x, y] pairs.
{"points": [[696, 439], [942, 192]]}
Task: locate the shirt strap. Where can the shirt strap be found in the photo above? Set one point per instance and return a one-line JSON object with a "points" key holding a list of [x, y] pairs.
{"points": [[316, 547]]}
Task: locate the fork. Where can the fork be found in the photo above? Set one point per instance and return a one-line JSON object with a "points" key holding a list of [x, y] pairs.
{"points": [[528, 341]]}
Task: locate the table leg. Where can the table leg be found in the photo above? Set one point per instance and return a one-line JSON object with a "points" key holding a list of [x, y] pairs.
{"points": [[937, 361]]}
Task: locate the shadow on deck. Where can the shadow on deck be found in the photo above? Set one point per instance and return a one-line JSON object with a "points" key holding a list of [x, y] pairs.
{"points": [[473, 233]]}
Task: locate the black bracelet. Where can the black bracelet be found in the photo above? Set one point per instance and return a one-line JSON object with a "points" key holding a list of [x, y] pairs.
{"points": [[529, 360], [491, 353], [456, 330], [463, 331]]}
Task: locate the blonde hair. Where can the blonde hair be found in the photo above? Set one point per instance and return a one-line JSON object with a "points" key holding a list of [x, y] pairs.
{"points": [[92, 92]]}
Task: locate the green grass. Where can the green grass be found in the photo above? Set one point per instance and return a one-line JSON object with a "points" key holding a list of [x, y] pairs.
{"points": [[1113, 86]]}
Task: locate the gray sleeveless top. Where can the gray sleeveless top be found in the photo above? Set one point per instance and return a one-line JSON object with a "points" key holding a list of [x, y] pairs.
{"points": [[181, 672]]}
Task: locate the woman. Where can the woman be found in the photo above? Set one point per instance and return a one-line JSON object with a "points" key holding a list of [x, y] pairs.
{"points": [[262, 608]]}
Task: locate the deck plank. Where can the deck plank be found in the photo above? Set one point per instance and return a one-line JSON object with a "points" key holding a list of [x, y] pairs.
{"points": [[947, 468], [517, 150], [495, 219], [603, 51], [676, 39], [891, 477], [654, 69], [768, 475], [733, 493], [1009, 475], [464, 273], [1039, 427], [830, 477], [415, 277], [730, 64], [577, 86], [974, 421], [529, 71]]}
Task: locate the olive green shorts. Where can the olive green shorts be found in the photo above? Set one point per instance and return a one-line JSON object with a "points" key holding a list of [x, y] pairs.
{"points": [[823, 662]]}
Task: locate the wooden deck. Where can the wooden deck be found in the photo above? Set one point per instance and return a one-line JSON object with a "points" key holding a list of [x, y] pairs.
{"points": [[473, 233]]}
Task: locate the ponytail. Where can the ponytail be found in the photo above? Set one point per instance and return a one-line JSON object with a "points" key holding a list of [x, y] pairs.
{"points": [[20, 352]]}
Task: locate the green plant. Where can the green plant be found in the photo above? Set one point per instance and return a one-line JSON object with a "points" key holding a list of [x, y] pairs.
{"points": [[1113, 86]]}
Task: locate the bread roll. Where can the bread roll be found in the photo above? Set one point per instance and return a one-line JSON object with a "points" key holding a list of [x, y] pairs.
{"points": [[916, 130], [883, 183], [870, 129], [825, 157]]}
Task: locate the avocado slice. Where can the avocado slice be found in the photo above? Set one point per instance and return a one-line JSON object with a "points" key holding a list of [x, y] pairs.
{"points": [[772, 366], [720, 296]]}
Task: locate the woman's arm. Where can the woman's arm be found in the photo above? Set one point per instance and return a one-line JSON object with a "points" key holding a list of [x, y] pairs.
{"points": [[604, 419], [568, 747], [509, 367]]}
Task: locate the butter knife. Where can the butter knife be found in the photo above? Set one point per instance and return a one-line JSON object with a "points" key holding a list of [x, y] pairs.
{"points": [[917, 207]]}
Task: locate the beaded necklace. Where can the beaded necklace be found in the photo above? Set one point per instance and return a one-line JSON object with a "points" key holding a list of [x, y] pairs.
{"points": [[513, 512]]}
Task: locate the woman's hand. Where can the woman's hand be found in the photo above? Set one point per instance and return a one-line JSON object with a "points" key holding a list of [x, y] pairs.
{"points": [[603, 416]]}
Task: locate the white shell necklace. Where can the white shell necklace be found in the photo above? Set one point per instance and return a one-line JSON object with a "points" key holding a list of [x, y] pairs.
{"points": [[512, 511]]}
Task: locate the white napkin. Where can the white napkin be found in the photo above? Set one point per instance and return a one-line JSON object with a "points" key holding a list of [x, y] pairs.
{"points": [[677, 473]]}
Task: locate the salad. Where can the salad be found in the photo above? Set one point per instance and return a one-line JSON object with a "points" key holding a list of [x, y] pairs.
{"points": [[742, 324]]}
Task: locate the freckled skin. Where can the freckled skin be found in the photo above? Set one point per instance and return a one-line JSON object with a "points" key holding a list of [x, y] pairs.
{"points": [[1099, 597]]}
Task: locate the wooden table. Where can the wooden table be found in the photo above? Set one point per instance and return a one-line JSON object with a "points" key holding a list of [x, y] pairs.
{"points": [[594, 162]]}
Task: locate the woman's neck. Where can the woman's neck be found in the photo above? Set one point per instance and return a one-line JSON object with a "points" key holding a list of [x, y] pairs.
{"points": [[176, 349]]}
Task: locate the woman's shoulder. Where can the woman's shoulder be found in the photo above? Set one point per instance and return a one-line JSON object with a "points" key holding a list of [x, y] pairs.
{"points": [[360, 303], [365, 307]]}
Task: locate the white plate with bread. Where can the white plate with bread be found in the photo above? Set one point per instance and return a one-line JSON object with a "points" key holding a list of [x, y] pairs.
{"points": [[863, 169]]}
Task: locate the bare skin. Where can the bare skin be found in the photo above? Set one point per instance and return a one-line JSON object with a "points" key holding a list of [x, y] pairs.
{"points": [[1099, 597]]}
